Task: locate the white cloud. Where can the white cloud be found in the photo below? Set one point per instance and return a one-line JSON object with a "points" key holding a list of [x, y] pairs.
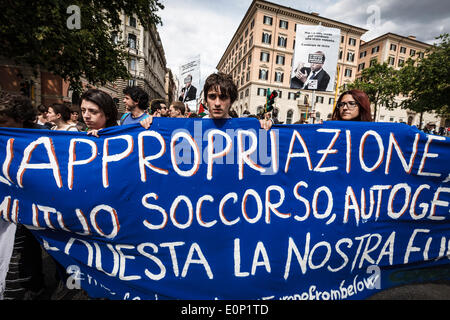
{"points": [[191, 30]]}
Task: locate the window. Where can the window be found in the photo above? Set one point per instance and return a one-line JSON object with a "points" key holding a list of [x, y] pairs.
{"points": [[131, 41], [401, 62], [340, 54], [393, 47], [263, 74], [372, 62], [291, 96], [265, 56], [348, 72], [279, 76], [289, 116], [350, 56], [247, 92], [361, 66], [132, 82], [375, 49], [133, 64], [342, 39], [250, 41], [249, 60], [280, 94], [132, 22], [282, 41], [391, 61], [284, 24], [115, 37], [402, 49], [319, 99], [266, 38], [252, 24], [331, 101], [421, 55], [262, 92], [412, 52], [362, 54], [280, 60], [267, 20], [247, 76], [352, 41]]}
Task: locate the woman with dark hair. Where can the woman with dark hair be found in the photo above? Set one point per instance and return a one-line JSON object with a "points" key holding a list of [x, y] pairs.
{"points": [[353, 105], [98, 110], [59, 114]]}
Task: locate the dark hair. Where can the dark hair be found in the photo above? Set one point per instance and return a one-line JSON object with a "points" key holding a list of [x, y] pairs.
{"points": [[18, 108], [363, 102], [155, 105], [104, 102], [62, 109], [224, 82], [233, 114], [178, 105], [41, 109], [138, 95]]}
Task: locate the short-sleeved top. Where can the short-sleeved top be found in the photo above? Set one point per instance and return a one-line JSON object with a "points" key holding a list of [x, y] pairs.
{"points": [[127, 118]]}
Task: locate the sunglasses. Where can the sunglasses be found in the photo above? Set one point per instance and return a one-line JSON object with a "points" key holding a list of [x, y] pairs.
{"points": [[213, 96], [350, 104]]}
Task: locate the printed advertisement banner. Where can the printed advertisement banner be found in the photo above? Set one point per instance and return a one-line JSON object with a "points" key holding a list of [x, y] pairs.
{"points": [[315, 58], [204, 209], [190, 82]]}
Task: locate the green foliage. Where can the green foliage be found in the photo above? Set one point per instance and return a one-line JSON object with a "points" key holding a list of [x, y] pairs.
{"points": [[425, 81], [36, 33], [380, 83]]}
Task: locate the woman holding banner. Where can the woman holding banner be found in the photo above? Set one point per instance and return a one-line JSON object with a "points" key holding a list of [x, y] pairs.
{"points": [[353, 105], [98, 110]]}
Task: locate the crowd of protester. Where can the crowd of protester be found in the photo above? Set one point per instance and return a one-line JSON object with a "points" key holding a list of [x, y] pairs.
{"points": [[97, 110]]}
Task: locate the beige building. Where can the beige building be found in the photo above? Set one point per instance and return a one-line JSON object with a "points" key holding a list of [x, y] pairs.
{"points": [[147, 63], [260, 54], [395, 50]]}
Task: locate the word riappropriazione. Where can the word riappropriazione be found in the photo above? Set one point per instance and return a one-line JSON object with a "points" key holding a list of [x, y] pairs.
{"points": [[203, 209]]}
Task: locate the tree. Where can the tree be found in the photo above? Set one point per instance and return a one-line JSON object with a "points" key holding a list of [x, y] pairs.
{"points": [[380, 83], [72, 39], [425, 81]]}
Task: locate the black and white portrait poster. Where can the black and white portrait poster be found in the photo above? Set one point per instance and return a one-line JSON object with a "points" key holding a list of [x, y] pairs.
{"points": [[315, 58]]}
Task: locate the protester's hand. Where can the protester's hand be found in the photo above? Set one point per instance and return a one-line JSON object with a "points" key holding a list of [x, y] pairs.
{"points": [[147, 122], [93, 133], [266, 124]]}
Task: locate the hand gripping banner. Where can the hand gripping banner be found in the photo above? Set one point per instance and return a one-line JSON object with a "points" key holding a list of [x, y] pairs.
{"points": [[203, 209]]}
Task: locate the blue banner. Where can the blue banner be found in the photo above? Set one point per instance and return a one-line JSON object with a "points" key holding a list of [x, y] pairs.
{"points": [[203, 209]]}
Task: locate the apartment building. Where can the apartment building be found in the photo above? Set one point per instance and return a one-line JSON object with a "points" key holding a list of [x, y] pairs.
{"points": [[147, 62], [259, 57], [395, 50]]}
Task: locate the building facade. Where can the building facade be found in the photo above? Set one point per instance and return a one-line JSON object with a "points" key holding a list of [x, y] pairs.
{"points": [[147, 62], [260, 55], [395, 50]]}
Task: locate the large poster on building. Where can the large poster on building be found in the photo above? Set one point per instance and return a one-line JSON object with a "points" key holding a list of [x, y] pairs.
{"points": [[190, 82], [315, 58]]}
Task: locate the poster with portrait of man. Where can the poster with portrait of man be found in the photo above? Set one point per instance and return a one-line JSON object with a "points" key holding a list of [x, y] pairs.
{"points": [[190, 82], [315, 58]]}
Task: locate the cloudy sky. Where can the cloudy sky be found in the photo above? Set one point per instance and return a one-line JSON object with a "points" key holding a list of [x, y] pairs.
{"points": [[205, 27]]}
